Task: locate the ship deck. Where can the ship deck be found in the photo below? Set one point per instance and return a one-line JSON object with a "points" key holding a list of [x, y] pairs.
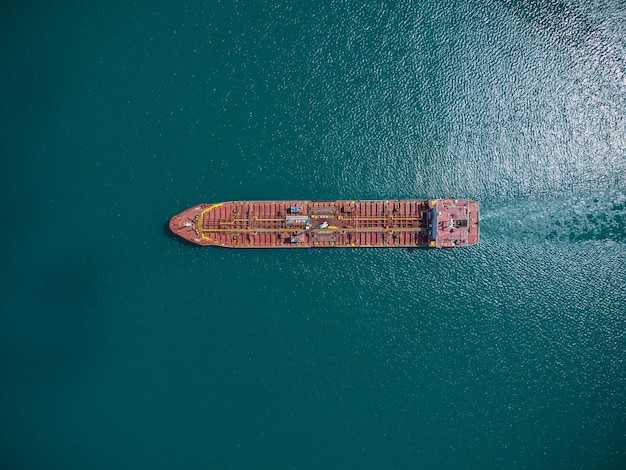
{"points": [[344, 223]]}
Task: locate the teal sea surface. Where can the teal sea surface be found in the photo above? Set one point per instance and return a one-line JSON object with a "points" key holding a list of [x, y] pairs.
{"points": [[123, 347]]}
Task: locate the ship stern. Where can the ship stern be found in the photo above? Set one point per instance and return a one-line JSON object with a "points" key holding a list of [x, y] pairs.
{"points": [[454, 222]]}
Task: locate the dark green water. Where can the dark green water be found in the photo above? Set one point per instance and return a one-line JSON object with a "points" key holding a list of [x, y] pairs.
{"points": [[121, 347]]}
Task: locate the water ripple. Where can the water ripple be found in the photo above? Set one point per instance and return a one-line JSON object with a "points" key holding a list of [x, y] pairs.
{"points": [[599, 216]]}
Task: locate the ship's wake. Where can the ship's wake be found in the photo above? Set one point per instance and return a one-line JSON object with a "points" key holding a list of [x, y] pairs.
{"points": [[576, 218]]}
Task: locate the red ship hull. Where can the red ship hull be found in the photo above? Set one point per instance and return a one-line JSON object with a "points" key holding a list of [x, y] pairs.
{"points": [[435, 223]]}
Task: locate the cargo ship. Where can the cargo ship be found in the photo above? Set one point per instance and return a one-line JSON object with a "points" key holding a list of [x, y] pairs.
{"points": [[434, 223]]}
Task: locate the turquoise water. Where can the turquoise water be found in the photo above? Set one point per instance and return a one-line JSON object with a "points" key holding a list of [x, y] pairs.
{"points": [[121, 347]]}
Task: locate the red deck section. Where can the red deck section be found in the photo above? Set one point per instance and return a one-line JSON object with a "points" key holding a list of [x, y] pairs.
{"points": [[405, 223]]}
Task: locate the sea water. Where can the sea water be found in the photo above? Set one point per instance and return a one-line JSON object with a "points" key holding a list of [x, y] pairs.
{"points": [[123, 347]]}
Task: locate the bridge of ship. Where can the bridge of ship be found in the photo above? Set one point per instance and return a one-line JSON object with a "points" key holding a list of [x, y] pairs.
{"points": [[366, 223]]}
